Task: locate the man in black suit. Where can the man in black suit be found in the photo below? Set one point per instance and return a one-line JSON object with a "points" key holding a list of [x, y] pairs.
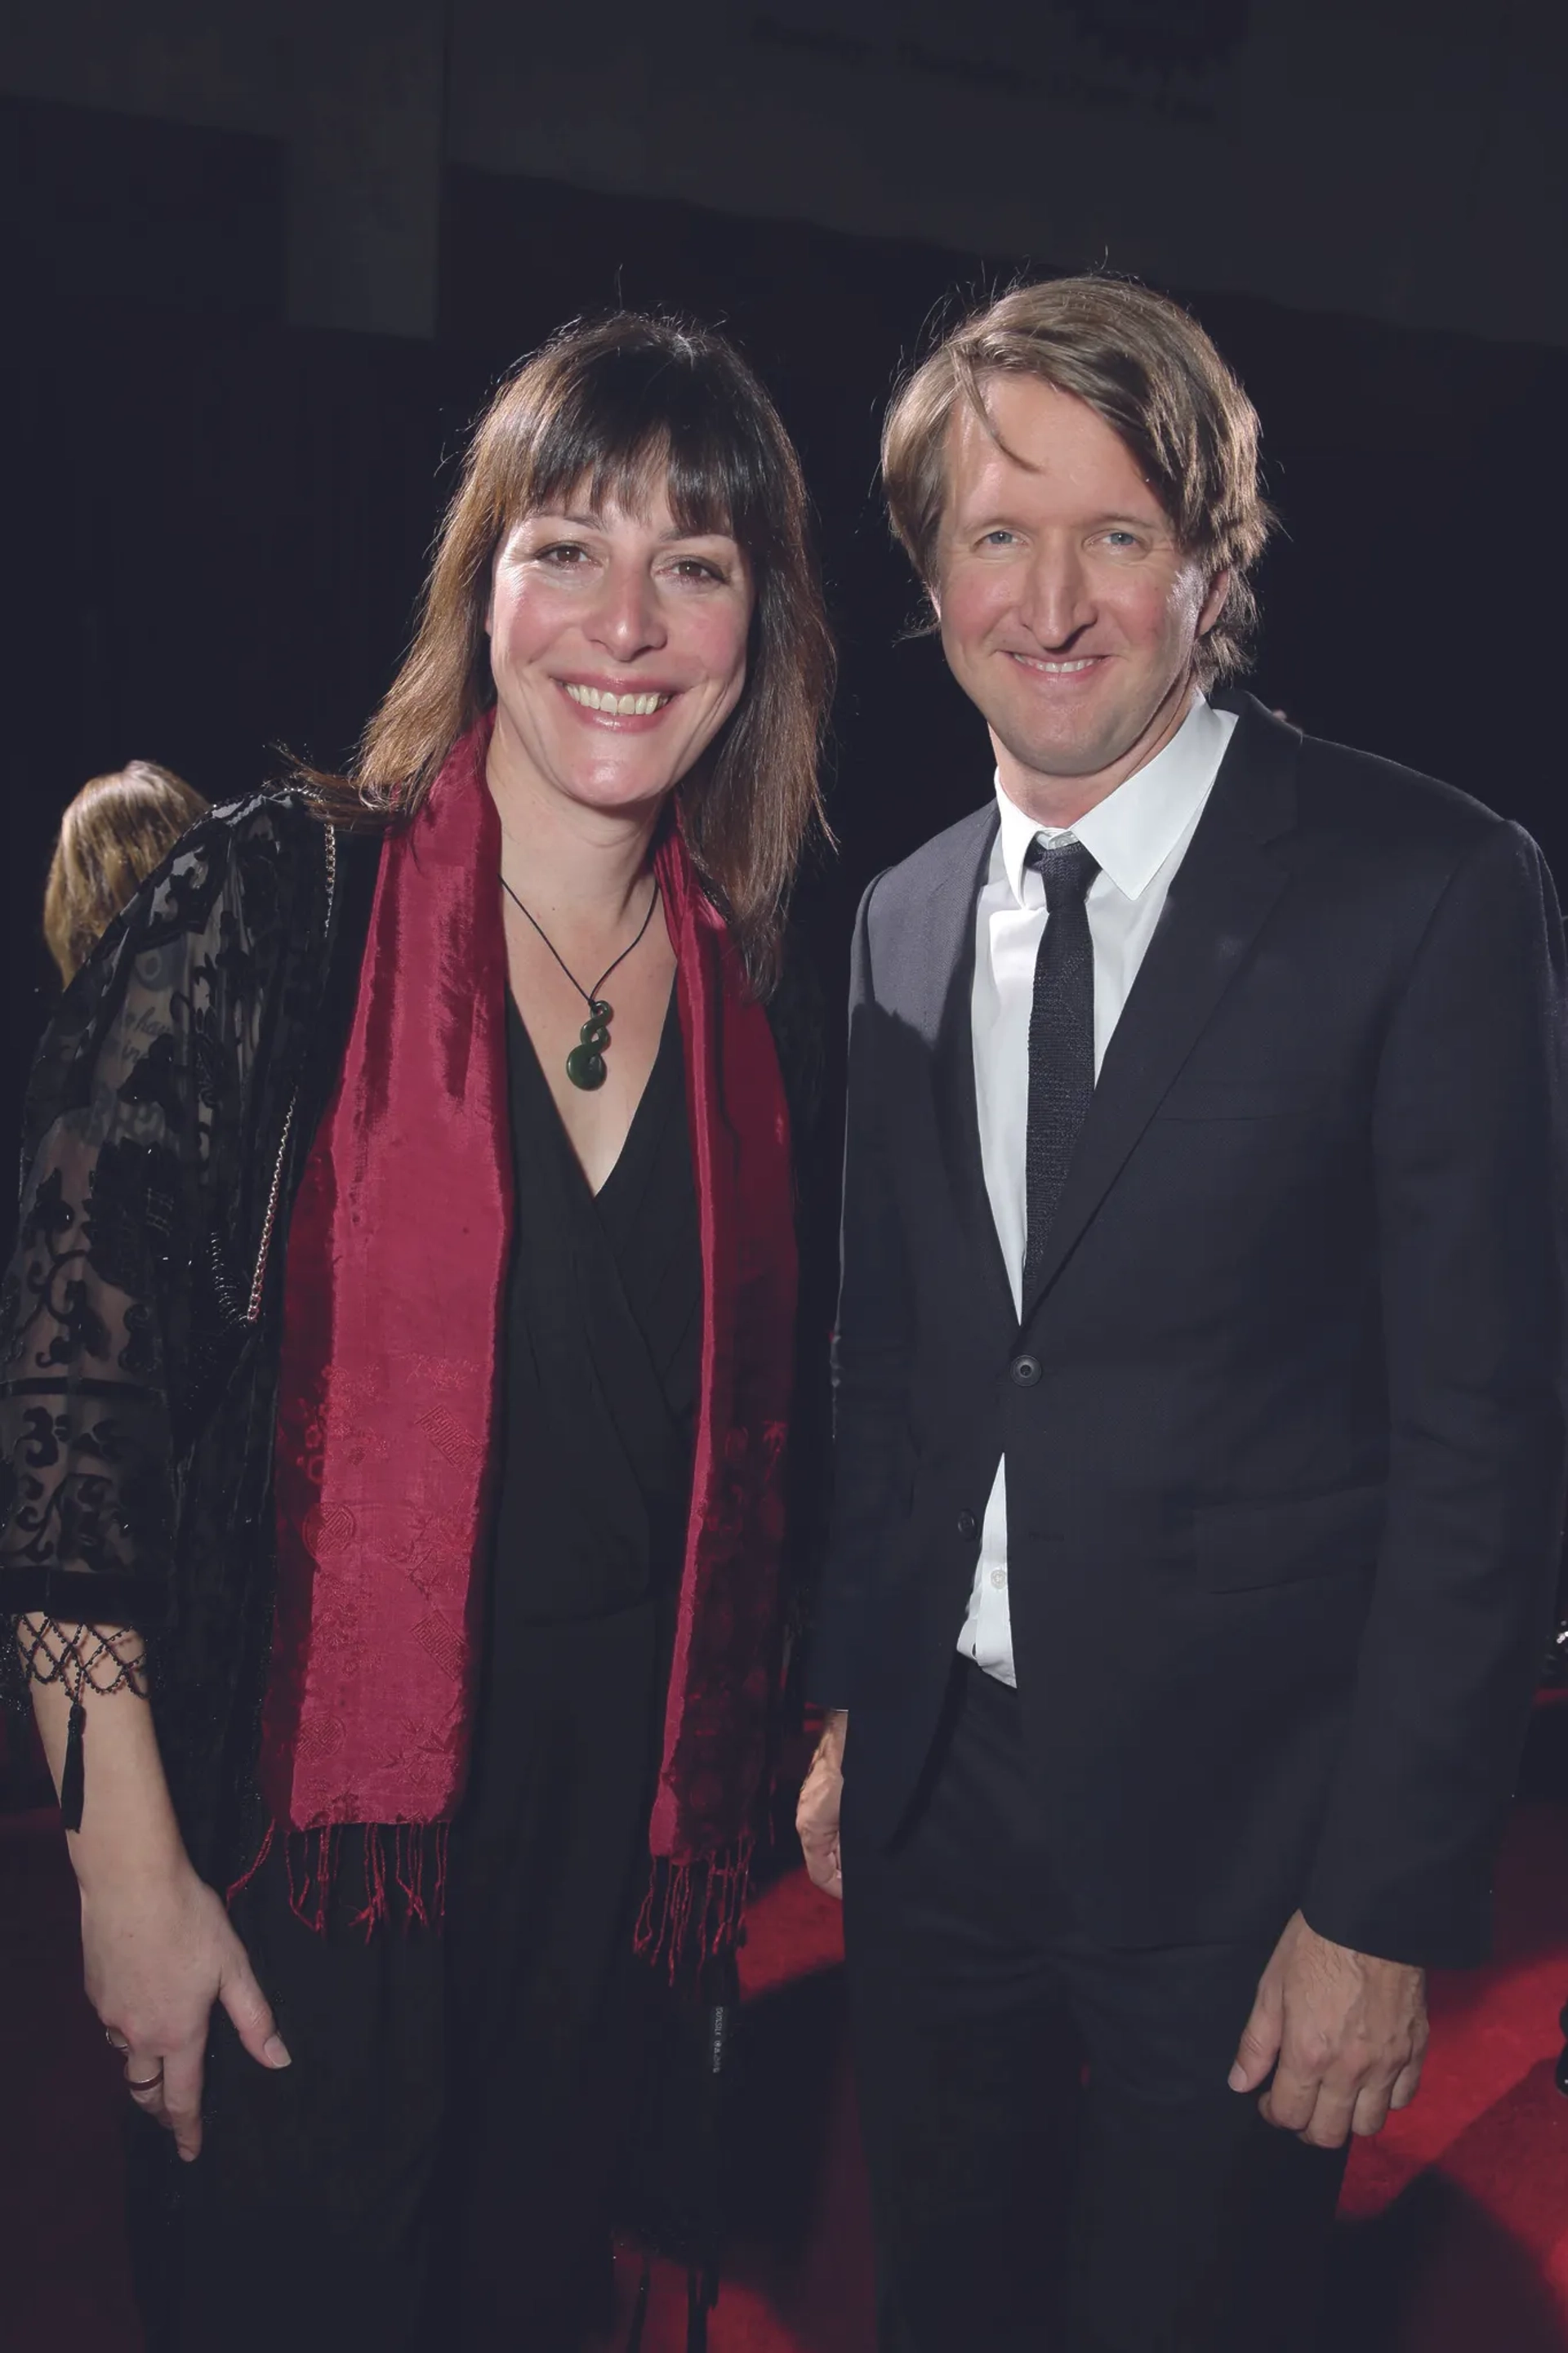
{"points": [[1200, 1389]]}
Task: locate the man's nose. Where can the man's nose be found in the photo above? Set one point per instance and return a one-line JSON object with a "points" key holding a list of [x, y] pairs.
{"points": [[1056, 603], [627, 619]]}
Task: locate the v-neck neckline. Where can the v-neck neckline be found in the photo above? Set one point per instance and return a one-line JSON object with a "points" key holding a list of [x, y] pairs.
{"points": [[640, 1112]]}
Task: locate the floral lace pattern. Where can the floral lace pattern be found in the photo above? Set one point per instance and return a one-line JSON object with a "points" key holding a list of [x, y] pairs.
{"points": [[111, 1196], [154, 1120]]}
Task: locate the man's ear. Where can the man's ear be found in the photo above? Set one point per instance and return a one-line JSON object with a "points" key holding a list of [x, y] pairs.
{"points": [[1213, 602]]}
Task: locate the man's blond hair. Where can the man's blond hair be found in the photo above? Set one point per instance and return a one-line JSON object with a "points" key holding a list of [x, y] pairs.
{"points": [[1151, 372]]}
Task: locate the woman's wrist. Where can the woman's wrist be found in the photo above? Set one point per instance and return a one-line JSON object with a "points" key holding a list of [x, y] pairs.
{"points": [[110, 1859], [128, 1836]]}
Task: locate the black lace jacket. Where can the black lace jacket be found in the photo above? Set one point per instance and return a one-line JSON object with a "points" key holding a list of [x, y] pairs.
{"points": [[164, 1128], [173, 1102]]}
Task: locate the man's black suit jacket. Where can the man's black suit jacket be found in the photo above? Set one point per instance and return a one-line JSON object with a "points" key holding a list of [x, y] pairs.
{"points": [[1285, 1417]]}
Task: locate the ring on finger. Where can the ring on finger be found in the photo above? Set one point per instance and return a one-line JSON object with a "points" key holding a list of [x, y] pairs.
{"points": [[150, 2084], [115, 2039]]}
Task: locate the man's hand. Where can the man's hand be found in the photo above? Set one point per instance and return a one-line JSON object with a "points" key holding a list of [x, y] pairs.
{"points": [[817, 1814], [1344, 2034]]}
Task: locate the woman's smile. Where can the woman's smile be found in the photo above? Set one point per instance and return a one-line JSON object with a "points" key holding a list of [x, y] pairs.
{"points": [[608, 703]]}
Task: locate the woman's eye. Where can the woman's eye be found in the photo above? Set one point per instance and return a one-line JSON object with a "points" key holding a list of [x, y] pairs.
{"points": [[562, 556], [693, 567]]}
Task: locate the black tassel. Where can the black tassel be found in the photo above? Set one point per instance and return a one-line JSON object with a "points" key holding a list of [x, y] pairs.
{"points": [[71, 1779]]}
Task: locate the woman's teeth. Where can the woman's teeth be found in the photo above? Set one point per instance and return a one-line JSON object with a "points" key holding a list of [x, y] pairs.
{"points": [[625, 706]]}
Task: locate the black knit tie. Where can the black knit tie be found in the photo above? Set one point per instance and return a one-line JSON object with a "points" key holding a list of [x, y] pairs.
{"points": [[1061, 1037]]}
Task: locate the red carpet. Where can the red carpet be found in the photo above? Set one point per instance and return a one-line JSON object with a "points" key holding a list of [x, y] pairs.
{"points": [[1455, 2229]]}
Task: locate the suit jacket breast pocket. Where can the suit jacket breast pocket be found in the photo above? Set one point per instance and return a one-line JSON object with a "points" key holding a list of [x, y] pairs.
{"points": [[1240, 1546]]}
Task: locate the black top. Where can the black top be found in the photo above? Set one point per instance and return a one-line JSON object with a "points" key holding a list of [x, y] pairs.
{"points": [[515, 2039], [601, 1354]]}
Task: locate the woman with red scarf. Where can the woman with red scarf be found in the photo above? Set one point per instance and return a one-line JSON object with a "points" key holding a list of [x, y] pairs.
{"points": [[397, 1366]]}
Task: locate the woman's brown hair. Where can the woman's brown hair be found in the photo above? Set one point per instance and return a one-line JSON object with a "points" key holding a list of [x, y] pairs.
{"points": [[615, 409], [116, 831], [1151, 372]]}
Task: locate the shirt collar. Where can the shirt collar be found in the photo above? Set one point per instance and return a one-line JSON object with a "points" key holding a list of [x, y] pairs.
{"points": [[1132, 831]]}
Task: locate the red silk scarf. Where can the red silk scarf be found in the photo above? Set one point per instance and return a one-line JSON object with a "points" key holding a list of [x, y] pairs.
{"points": [[396, 1264]]}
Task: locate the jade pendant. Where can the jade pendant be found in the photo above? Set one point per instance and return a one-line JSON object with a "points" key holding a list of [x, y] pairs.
{"points": [[585, 1063]]}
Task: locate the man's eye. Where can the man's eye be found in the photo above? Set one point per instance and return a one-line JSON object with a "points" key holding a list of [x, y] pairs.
{"points": [[1121, 539], [998, 539]]}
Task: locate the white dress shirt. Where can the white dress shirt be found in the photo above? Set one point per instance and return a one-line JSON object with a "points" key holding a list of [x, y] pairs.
{"points": [[1139, 834]]}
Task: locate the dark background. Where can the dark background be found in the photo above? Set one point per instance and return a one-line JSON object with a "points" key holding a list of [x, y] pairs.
{"points": [[262, 260], [217, 520]]}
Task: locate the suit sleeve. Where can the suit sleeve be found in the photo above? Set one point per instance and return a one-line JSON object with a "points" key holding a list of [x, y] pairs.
{"points": [[872, 1353], [1470, 1171]]}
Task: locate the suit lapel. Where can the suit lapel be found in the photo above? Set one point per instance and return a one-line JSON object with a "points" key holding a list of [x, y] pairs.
{"points": [[1221, 895], [947, 955]]}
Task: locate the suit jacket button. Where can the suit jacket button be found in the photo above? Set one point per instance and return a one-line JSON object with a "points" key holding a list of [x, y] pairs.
{"points": [[968, 1526], [1025, 1371]]}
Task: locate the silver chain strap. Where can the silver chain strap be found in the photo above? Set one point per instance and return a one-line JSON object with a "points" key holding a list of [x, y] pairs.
{"points": [[257, 1281]]}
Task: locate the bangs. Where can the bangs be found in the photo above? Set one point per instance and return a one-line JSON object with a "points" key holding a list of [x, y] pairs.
{"points": [[623, 424]]}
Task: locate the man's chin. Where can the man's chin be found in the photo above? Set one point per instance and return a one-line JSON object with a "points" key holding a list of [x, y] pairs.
{"points": [[1064, 754]]}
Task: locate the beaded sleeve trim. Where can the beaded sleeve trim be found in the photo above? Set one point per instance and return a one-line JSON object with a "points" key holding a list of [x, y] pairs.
{"points": [[81, 1659]]}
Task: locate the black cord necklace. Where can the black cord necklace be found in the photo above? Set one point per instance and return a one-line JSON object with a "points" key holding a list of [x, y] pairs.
{"points": [[585, 1063]]}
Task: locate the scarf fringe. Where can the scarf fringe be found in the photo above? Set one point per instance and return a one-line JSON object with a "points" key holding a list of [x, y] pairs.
{"points": [[694, 1911], [248, 1873], [403, 1868]]}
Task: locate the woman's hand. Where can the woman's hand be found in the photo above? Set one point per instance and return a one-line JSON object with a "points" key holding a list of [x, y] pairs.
{"points": [[157, 1946], [158, 1950]]}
